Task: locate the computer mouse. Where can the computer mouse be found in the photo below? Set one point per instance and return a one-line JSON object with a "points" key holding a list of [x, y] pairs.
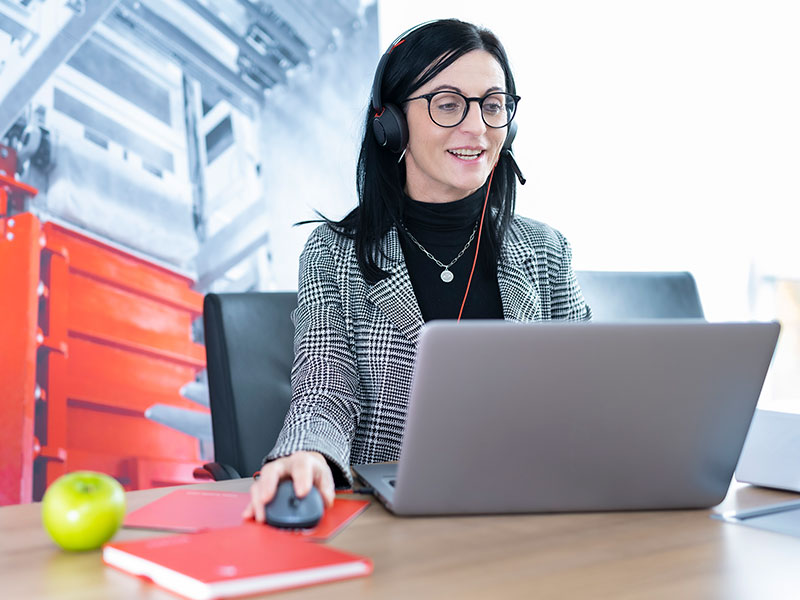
{"points": [[287, 511]]}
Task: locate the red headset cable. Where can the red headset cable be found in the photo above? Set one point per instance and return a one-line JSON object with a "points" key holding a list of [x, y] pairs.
{"points": [[477, 245]]}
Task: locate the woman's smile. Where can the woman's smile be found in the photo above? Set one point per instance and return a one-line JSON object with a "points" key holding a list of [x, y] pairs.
{"points": [[467, 154]]}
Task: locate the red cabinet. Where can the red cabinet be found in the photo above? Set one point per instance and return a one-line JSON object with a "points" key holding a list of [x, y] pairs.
{"points": [[91, 336]]}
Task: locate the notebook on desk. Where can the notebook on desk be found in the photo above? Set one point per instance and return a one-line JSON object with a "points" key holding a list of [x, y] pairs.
{"points": [[549, 417], [237, 561], [194, 510]]}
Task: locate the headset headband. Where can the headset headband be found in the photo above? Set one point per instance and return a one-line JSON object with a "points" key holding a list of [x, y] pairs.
{"points": [[377, 103]]}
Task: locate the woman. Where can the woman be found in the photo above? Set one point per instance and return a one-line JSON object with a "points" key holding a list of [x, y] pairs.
{"points": [[434, 236]]}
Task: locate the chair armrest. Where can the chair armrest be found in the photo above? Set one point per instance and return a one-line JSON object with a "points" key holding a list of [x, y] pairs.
{"points": [[216, 472]]}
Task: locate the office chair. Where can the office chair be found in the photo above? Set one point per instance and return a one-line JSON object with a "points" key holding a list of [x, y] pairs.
{"points": [[249, 350], [626, 295]]}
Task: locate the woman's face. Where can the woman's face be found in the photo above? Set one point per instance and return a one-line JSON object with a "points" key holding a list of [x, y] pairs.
{"points": [[441, 165]]}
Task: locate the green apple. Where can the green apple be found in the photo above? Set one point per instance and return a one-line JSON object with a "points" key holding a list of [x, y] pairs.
{"points": [[83, 510]]}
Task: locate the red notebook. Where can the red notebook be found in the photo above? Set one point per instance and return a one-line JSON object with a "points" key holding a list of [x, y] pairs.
{"points": [[193, 510], [190, 511], [244, 560]]}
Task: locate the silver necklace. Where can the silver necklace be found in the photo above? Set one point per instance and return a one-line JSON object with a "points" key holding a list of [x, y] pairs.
{"points": [[447, 274]]}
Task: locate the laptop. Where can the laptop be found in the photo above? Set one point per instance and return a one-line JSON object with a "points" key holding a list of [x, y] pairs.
{"points": [[771, 453], [559, 417]]}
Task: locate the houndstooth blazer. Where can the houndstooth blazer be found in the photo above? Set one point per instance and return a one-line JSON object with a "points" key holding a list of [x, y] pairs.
{"points": [[355, 343]]}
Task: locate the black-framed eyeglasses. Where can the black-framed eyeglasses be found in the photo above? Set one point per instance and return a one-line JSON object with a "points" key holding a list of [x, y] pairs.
{"points": [[448, 108]]}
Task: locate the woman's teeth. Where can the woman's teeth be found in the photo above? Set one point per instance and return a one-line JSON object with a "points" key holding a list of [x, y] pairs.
{"points": [[466, 154]]}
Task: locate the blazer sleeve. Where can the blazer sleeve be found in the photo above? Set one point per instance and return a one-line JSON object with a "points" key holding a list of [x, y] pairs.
{"points": [[324, 410], [567, 301]]}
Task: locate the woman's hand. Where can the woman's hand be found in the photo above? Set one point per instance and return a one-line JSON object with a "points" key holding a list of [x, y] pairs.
{"points": [[303, 468]]}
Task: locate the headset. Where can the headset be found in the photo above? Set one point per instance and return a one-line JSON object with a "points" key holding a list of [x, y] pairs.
{"points": [[389, 125]]}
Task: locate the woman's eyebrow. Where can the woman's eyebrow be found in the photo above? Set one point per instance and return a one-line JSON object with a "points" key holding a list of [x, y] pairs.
{"points": [[456, 89]]}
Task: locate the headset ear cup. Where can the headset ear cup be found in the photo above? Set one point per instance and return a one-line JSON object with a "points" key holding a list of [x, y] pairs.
{"points": [[390, 128]]}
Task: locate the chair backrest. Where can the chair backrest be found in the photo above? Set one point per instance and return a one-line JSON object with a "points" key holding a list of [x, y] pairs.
{"points": [[249, 349], [623, 295]]}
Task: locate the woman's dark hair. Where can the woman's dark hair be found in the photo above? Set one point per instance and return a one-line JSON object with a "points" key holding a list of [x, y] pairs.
{"points": [[380, 179]]}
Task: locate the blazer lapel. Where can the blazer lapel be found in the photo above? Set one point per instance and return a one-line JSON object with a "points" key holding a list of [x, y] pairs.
{"points": [[394, 296], [516, 279]]}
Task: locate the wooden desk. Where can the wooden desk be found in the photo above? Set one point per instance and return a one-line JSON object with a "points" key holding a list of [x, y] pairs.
{"points": [[676, 555]]}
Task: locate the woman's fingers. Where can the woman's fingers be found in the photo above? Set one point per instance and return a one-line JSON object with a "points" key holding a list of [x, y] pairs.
{"points": [[263, 490], [304, 468], [323, 478], [302, 472]]}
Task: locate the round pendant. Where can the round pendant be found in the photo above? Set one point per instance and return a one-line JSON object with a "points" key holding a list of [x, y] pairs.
{"points": [[446, 276]]}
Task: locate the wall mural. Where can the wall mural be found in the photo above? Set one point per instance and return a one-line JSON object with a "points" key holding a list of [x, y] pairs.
{"points": [[165, 155]]}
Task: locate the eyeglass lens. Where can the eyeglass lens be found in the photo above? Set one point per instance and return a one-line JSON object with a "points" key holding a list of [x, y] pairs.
{"points": [[449, 109]]}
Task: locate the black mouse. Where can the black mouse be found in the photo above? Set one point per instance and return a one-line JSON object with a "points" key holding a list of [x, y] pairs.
{"points": [[287, 511]]}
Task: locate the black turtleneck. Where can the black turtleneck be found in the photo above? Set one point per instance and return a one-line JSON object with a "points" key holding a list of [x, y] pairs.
{"points": [[443, 230]]}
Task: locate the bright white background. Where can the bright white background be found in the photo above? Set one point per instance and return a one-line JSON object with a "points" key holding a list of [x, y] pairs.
{"points": [[661, 136]]}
